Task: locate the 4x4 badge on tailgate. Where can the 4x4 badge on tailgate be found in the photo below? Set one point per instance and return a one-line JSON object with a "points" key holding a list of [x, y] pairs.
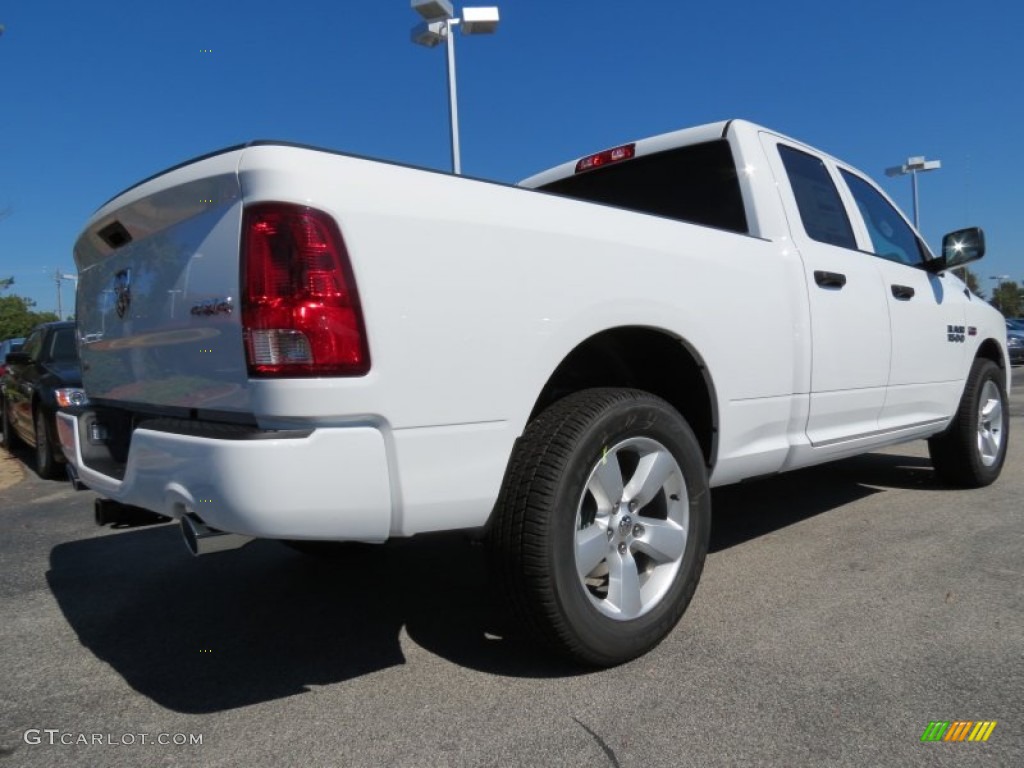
{"points": [[123, 291]]}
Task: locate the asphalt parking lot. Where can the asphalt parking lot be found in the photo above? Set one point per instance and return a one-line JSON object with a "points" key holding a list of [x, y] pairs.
{"points": [[843, 608]]}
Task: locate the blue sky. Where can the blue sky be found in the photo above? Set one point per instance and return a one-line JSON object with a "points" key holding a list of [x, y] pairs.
{"points": [[97, 96]]}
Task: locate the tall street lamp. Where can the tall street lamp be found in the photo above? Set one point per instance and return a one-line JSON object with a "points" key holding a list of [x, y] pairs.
{"points": [[58, 278], [913, 166], [1000, 279], [438, 19]]}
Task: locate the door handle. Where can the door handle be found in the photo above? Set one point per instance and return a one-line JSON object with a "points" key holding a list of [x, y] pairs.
{"points": [[902, 292], [829, 279]]}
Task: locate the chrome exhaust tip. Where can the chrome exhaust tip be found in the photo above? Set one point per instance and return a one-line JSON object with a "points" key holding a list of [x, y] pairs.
{"points": [[201, 539]]}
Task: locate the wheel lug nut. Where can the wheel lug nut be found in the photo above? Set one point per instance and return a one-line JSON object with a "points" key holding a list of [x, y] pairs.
{"points": [[622, 547], [638, 530]]}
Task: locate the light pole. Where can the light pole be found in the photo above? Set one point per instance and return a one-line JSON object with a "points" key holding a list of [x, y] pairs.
{"points": [[913, 166], [58, 278], [438, 19]]}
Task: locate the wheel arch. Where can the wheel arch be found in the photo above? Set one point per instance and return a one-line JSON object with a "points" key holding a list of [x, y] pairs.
{"points": [[645, 358], [991, 350]]}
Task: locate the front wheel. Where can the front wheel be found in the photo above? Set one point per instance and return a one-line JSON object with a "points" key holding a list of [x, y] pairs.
{"points": [[47, 465], [601, 530], [971, 452]]}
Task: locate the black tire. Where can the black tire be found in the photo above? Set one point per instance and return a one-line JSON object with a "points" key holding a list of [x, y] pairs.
{"points": [[971, 451], [47, 463], [544, 513], [8, 438]]}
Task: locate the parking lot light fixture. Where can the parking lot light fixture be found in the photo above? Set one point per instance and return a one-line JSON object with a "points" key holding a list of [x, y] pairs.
{"points": [[480, 21], [438, 19], [433, 9], [913, 166]]}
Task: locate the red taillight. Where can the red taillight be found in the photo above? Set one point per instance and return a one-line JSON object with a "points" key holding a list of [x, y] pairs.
{"points": [[625, 152], [301, 312]]}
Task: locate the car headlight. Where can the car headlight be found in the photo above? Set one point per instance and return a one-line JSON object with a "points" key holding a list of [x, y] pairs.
{"points": [[68, 397]]}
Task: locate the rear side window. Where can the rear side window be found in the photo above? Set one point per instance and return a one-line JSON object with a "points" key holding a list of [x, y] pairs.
{"points": [[697, 184], [891, 237], [821, 209]]}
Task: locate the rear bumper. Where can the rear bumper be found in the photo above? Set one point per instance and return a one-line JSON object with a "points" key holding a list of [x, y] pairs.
{"points": [[333, 483]]}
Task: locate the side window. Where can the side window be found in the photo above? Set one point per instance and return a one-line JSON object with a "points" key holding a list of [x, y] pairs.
{"points": [[821, 209], [891, 237], [33, 345]]}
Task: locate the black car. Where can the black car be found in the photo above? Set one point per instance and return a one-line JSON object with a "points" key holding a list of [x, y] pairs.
{"points": [[43, 377]]}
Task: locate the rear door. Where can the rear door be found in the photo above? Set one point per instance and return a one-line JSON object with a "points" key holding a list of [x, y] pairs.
{"points": [[850, 337]]}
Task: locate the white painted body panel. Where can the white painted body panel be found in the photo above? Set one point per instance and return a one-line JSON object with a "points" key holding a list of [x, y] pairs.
{"points": [[253, 487], [472, 294]]}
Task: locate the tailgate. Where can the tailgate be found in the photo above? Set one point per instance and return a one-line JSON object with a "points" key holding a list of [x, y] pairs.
{"points": [[158, 293]]}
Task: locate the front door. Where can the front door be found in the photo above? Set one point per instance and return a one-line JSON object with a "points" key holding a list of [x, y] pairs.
{"points": [[927, 313]]}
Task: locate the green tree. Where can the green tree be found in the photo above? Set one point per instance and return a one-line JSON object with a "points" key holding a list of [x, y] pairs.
{"points": [[17, 317], [1008, 298]]}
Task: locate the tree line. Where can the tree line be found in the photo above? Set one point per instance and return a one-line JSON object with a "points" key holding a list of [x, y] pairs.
{"points": [[17, 314]]}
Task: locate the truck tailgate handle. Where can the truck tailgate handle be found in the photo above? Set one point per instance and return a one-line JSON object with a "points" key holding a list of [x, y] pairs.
{"points": [[829, 279], [903, 292]]}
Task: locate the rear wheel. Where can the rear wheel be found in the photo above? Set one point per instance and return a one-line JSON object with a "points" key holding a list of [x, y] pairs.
{"points": [[971, 452], [602, 526], [47, 465]]}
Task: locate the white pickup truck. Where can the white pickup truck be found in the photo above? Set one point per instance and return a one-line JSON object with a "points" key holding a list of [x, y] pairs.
{"points": [[288, 343]]}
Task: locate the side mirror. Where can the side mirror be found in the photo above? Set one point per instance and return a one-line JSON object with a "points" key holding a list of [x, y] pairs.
{"points": [[959, 248]]}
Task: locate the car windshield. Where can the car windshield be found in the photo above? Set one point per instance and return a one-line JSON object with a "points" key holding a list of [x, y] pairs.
{"points": [[1015, 324]]}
